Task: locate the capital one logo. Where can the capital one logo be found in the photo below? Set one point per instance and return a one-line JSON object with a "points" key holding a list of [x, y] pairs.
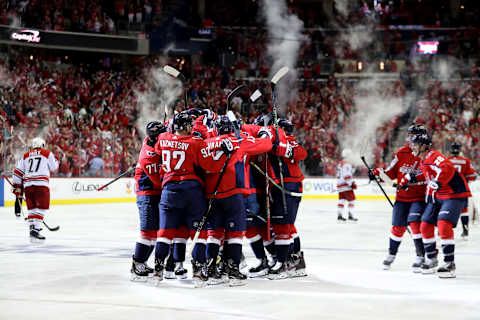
{"points": [[26, 35]]}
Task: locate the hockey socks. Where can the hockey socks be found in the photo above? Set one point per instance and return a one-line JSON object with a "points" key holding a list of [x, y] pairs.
{"points": [[270, 246], [296, 244], [142, 252], [212, 250], [396, 235], [161, 250], [258, 249], [179, 249], [198, 252], [234, 252], [464, 220]]}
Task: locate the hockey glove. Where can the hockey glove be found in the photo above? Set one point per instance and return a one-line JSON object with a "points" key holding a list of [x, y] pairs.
{"points": [[373, 173], [403, 184], [17, 190], [227, 146], [354, 185], [283, 150], [18, 207]]}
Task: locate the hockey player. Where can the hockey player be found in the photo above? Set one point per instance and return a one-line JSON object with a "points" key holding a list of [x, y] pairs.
{"points": [[345, 187], [463, 166], [446, 195], [182, 201], [32, 175], [149, 190], [290, 153], [228, 216], [409, 202]]}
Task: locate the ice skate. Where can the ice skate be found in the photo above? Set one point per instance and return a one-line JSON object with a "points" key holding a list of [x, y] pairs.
{"points": [[429, 266], [199, 274], [35, 235], [158, 271], [464, 234], [447, 270], [260, 270], [352, 218], [417, 265], [169, 268], [279, 271], [388, 262], [180, 271], [235, 277], [340, 218], [214, 277], [139, 271], [298, 263]]}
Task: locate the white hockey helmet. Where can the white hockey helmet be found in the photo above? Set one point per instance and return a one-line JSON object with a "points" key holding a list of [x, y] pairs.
{"points": [[346, 153], [38, 143]]}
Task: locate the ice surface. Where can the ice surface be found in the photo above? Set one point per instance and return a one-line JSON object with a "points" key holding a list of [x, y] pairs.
{"points": [[82, 272]]}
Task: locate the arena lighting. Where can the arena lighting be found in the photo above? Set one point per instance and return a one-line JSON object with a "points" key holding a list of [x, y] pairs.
{"points": [[381, 65], [31, 57], [359, 65]]}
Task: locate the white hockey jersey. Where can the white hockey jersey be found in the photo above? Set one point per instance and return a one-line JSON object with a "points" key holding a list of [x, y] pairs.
{"points": [[34, 168], [344, 176]]}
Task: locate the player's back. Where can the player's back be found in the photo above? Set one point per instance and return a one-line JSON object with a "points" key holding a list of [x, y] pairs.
{"points": [[180, 156], [35, 166]]}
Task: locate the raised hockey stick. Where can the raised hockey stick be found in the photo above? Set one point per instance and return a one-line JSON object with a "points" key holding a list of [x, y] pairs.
{"points": [[177, 74], [233, 94], [290, 193], [120, 176], [255, 95], [276, 77], [378, 183]]}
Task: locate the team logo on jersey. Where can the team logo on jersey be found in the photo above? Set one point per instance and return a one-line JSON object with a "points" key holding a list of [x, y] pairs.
{"points": [[150, 153], [129, 187]]}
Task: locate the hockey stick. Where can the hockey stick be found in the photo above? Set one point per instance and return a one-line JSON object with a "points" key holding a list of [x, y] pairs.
{"points": [[233, 94], [255, 95], [177, 74], [290, 193], [378, 183], [279, 75], [21, 209], [210, 201], [120, 176]]}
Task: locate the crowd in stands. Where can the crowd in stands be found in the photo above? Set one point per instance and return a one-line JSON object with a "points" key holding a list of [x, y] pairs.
{"points": [[89, 117], [98, 16]]}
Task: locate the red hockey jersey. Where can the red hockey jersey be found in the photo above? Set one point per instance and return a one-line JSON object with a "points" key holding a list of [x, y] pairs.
{"points": [[233, 181], [464, 166], [405, 162], [437, 167], [147, 172], [183, 157]]}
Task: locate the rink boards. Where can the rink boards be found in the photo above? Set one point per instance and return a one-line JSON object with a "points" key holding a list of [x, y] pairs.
{"points": [[85, 190]]}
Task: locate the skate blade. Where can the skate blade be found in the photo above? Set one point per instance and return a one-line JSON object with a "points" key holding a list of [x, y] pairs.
{"points": [[385, 267], [199, 283], [416, 270], [429, 271], [258, 274], [278, 276], [36, 240], [236, 282], [169, 275], [137, 278], [299, 273], [214, 282], [447, 275], [155, 280], [181, 276]]}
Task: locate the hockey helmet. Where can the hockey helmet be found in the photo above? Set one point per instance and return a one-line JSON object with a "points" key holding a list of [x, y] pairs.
{"points": [[416, 129], [455, 148], [182, 120], [286, 125], [422, 139], [224, 125], [264, 120], [38, 143], [154, 129]]}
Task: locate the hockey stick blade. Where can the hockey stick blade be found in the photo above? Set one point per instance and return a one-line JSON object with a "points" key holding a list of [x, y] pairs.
{"points": [[233, 119], [234, 93], [257, 94], [279, 75], [171, 71], [56, 228]]}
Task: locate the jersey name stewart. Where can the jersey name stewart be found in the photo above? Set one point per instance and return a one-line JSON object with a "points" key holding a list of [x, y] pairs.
{"points": [[34, 168], [403, 163], [147, 172], [437, 167], [463, 166]]}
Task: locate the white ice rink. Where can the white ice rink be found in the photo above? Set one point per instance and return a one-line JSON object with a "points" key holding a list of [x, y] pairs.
{"points": [[82, 272]]}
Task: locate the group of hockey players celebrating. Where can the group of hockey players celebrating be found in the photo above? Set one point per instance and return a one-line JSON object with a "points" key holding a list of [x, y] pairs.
{"points": [[432, 190], [216, 180]]}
